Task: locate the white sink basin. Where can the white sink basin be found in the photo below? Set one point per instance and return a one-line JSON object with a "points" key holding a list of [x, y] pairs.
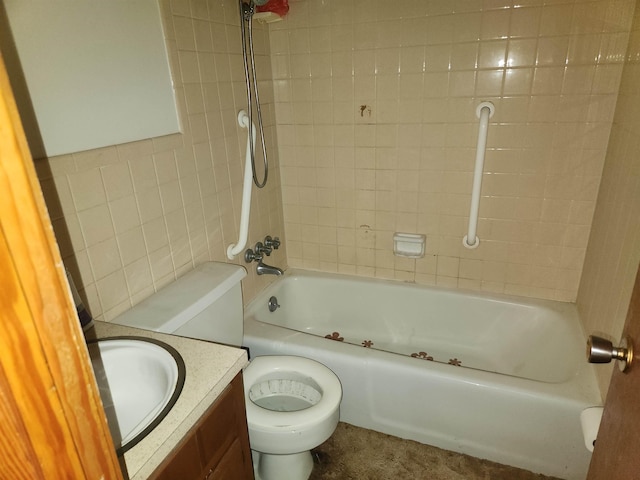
{"points": [[139, 380]]}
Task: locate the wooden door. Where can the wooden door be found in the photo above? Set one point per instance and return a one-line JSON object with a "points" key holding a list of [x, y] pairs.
{"points": [[616, 455], [52, 425]]}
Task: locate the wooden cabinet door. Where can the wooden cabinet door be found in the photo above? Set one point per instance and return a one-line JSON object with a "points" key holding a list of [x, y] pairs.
{"points": [[225, 426], [231, 466], [184, 464]]}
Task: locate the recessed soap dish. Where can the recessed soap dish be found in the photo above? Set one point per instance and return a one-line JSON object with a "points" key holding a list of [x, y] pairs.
{"points": [[410, 245]]}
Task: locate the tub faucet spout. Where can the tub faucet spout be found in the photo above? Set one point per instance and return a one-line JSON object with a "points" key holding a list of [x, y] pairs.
{"points": [[264, 269]]}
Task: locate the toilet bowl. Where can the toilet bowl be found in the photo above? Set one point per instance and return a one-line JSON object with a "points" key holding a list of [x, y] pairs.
{"points": [[293, 405]]}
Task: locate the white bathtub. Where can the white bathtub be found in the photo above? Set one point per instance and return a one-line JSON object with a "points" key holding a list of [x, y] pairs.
{"points": [[507, 382]]}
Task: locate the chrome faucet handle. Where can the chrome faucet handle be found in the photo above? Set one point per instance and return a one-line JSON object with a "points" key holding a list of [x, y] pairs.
{"points": [[272, 242], [262, 249], [251, 256]]}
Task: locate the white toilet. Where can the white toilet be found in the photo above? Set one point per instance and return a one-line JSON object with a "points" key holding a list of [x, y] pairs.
{"points": [[293, 403], [292, 406]]}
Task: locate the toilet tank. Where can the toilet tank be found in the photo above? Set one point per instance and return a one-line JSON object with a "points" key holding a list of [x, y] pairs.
{"points": [[205, 304]]}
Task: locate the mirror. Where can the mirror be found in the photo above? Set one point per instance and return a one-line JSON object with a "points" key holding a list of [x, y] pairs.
{"points": [[97, 72]]}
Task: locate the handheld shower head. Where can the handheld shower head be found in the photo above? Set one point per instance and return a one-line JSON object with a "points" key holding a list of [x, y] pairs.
{"points": [[248, 8]]}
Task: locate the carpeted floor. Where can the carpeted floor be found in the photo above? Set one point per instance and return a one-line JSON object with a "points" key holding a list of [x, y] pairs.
{"points": [[354, 453]]}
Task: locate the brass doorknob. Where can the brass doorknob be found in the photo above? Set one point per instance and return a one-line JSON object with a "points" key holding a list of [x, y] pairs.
{"points": [[601, 350]]}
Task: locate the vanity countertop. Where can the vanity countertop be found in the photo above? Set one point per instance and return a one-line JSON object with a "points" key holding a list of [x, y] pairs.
{"points": [[210, 368]]}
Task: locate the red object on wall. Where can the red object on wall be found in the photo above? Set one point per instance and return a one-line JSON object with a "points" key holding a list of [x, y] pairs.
{"points": [[280, 7]]}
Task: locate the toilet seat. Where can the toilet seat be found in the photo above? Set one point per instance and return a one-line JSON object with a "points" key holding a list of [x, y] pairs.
{"points": [[283, 431]]}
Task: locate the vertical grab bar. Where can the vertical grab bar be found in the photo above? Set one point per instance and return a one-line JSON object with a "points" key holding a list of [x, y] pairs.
{"points": [[236, 248], [483, 112]]}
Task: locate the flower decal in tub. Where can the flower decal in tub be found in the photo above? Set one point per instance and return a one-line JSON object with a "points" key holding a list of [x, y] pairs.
{"points": [[426, 356], [422, 356], [335, 336], [369, 343]]}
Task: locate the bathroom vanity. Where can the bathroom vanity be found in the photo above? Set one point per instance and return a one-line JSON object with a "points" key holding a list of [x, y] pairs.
{"points": [[205, 433]]}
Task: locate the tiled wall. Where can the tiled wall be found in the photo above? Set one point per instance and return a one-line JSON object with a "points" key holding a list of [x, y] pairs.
{"points": [[613, 255], [376, 103], [130, 218]]}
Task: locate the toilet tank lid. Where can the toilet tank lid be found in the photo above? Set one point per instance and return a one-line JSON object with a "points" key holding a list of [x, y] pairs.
{"points": [[175, 304]]}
